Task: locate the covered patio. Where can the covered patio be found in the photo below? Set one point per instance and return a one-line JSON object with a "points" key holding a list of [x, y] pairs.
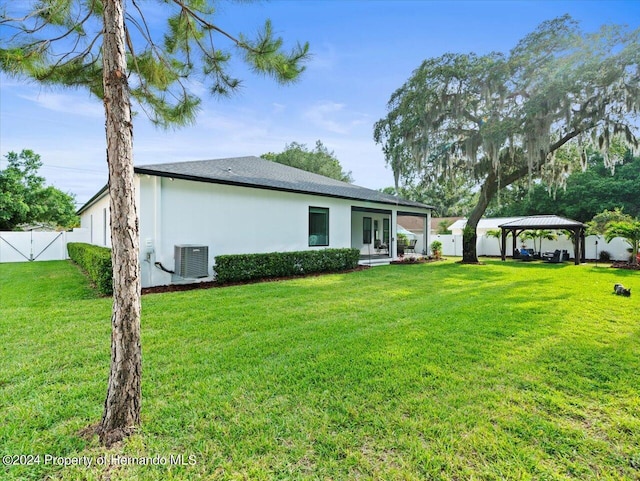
{"points": [[549, 222]]}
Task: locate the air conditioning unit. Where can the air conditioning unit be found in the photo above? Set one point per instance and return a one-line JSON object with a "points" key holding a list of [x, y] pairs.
{"points": [[192, 261]]}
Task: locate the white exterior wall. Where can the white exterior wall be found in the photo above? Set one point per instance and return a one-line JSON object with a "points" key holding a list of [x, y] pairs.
{"points": [[229, 220], [96, 219]]}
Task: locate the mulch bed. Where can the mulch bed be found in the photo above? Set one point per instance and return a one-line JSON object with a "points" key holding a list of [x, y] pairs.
{"points": [[211, 284], [626, 265], [422, 260]]}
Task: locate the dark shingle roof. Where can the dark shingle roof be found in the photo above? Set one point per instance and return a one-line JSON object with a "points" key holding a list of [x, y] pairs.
{"points": [[264, 174]]}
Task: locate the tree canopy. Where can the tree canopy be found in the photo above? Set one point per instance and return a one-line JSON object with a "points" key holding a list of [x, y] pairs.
{"points": [[25, 199], [600, 222], [319, 160], [453, 197], [499, 118], [586, 193], [629, 231]]}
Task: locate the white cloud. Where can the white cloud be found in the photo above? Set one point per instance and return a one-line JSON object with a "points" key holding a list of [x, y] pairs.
{"points": [[333, 117], [80, 105], [324, 58], [278, 108]]}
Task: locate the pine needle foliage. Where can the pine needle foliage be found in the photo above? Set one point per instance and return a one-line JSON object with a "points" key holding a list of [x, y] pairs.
{"points": [[58, 43]]}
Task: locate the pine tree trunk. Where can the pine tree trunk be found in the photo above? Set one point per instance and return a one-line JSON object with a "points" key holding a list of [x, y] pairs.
{"points": [[122, 406]]}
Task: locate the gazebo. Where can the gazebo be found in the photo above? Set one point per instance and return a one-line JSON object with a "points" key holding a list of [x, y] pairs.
{"points": [[551, 222]]}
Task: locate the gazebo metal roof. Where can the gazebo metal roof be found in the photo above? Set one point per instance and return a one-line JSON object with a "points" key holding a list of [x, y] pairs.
{"points": [[542, 222]]}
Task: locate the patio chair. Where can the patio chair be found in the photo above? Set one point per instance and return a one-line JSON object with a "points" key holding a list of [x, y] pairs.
{"points": [[380, 246], [412, 245], [556, 258], [525, 255]]}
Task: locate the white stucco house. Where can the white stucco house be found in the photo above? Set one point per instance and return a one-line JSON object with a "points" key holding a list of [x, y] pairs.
{"points": [[192, 211]]}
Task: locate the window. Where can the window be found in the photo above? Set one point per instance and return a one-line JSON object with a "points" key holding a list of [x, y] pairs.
{"points": [[318, 226], [366, 230]]}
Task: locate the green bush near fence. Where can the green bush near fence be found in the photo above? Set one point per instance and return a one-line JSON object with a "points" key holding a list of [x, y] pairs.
{"points": [[246, 267], [96, 262]]}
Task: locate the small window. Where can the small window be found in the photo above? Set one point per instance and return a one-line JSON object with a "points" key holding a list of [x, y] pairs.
{"points": [[366, 230], [318, 226]]}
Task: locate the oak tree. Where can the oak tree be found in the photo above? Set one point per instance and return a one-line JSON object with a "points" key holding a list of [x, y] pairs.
{"points": [[498, 118]]}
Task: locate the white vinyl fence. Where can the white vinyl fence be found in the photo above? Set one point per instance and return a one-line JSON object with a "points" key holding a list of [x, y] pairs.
{"points": [[49, 246], [490, 246], [39, 246]]}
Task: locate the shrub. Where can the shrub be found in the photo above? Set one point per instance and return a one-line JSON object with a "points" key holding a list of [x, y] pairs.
{"points": [[246, 267], [604, 256], [436, 248], [96, 262]]}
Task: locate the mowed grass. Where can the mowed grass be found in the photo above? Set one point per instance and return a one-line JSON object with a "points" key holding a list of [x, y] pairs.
{"points": [[435, 371]]}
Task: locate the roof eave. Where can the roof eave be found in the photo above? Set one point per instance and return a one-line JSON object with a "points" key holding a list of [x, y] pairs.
{"points": [[171, 175], [93, 199]]}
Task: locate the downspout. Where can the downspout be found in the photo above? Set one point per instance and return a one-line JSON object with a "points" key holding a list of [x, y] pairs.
{"points": [[157, 219]]}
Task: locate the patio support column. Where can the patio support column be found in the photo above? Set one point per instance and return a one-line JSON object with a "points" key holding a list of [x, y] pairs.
{"points": [[583, 253], [393, 244], [503, 243], [425, 234]]}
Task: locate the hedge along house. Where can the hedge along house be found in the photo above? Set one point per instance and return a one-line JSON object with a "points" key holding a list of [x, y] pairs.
{"points": [[191, 212]]}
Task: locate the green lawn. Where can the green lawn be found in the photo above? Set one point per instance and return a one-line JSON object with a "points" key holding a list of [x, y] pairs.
{"points": [[436, 371]]}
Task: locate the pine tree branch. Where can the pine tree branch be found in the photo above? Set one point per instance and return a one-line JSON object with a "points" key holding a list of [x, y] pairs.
{"points": [[208, 25]]}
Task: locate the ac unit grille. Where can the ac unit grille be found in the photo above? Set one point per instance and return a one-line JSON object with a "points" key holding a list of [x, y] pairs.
{"points": [[192, 261]]}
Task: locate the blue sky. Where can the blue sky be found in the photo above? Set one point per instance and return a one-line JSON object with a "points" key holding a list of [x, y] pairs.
{"points": [[361, 52]]}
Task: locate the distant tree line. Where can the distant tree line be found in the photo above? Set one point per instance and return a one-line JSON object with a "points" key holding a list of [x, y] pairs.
{"points": [[320, 160], [25, 199], [586, 194]]}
